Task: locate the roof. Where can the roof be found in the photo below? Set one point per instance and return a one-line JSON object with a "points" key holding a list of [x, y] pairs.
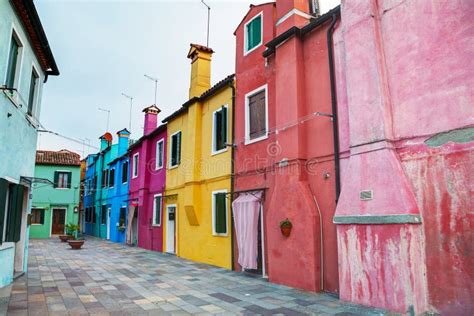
{"points": [[250, 9], [200, 47], [58, 158], [151, 135], [28, 16], [118, 158], [206, 94]]}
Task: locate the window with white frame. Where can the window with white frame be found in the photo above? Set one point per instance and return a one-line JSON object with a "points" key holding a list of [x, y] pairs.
{"points": [[253, 33], [175, 149], [219, 213], [32, 94], [14, 60], [256, 115], [135, 165], [219, 130], [157, 209], [159, 154]]}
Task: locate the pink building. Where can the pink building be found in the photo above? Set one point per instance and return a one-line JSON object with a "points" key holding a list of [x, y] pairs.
{"points": [[147, 184], [405, 220]]}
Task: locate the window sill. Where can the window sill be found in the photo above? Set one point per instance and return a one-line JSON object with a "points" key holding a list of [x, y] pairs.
{"points": [[214, 153], [36, 224], [156, 225], [62, 188], [10, 96], [7, 245], [173, 167], [220, 235], [246, 52], [158, 168], [255, 140]]}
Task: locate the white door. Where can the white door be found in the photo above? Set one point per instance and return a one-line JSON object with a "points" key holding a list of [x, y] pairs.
{"points": [[108, 223], [170, 228]]}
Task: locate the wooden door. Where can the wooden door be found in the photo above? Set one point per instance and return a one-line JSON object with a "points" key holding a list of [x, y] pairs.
{"points": [[59, 220]]}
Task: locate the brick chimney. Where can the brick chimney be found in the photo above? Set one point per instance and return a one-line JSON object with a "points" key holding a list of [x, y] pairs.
{"points": [[292, 13], [200, 69], [151, 118], [123, 137]]}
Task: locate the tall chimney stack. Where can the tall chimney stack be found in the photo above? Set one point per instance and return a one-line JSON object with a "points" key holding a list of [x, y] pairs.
{"points": [[200, 69], [151, 118]]}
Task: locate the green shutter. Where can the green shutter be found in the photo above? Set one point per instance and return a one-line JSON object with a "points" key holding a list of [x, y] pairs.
{"points": [[3, 201], [178, 148], [56, 179], [14, 215], [69, 177], [42, 217], [223, 127], [257, 31], [12, 61], [220, 213]]}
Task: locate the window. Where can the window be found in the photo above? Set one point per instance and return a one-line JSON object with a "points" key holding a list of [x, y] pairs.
{"points": [[94, 184], [13, 64], [11, 202], [94, 215], [31, 97], [253, 34], [37, 216], [256, 119], [219, 130], [112, 177], [157, 210], [103, 215], [122, 215], [62, 179], [135, 165], [125, 172], [105, 175], [87, 215], [219, 213], [175, 149], [159, 154]]}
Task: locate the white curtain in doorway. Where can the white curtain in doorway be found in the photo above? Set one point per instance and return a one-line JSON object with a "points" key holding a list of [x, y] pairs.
{"points": [[246, 210], [128, 233]]}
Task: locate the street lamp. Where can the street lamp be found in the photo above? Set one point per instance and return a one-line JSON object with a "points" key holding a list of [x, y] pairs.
{"points": [[156, 83], [130, 119]]}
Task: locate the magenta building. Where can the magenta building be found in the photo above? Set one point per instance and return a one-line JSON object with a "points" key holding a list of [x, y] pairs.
{"points": [[147, 184]]}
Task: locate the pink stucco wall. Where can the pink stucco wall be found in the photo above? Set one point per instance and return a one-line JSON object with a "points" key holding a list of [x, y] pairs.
{"points": [[405, 75]]}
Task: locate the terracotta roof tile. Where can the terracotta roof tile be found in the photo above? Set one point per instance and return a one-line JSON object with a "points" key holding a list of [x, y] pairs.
{"points": [[62, 158]]}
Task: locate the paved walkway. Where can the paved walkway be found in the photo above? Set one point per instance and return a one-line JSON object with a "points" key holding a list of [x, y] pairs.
{"points": [[108, 278]]}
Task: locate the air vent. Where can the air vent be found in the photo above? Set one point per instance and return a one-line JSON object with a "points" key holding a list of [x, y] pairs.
{"points": [[366, 195]]}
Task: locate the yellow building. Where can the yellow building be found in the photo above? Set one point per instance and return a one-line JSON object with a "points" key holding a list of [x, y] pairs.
{"points": [[197, 223]]}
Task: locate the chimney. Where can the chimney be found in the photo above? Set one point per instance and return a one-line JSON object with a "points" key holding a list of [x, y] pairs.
{"points": [[105, 141], [200, 69], [292, 13], [151, 118], [123, 137]]}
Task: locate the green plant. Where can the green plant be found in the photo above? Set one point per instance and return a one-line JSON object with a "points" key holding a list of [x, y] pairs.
{"points": [[286, 223], [72, 229]]}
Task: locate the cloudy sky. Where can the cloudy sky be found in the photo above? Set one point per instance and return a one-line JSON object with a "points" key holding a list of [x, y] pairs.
{"points": [[104, 48]]}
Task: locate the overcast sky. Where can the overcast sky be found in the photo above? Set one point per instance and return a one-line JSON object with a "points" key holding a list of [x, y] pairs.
{"points": [[104, 48]]}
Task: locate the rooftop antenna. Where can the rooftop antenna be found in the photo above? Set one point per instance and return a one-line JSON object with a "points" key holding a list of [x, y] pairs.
{"points": [[156, 83], [130, 118], [108, 116], [208, 19]]}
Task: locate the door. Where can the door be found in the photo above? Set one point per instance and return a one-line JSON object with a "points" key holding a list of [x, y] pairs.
{"points": [[59, 221], [170, 229], [108, 223]]}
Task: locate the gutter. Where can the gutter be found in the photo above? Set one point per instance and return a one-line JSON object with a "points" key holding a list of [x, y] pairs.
{"points": [[335, 128], [232, 176]]}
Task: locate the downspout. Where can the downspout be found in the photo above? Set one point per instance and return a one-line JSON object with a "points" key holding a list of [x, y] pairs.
{"points": [[232, 150], [335, 129]]}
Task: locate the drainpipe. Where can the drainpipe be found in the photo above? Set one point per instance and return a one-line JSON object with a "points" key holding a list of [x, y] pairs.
{"points": [[232, 176], [335, 129]]}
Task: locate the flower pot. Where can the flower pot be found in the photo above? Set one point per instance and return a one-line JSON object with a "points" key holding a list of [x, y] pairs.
{"points": [[76, 244], [285, 231], [65, 238]]}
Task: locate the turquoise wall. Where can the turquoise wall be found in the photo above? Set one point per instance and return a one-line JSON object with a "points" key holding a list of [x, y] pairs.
{"points": [[47, 197]]}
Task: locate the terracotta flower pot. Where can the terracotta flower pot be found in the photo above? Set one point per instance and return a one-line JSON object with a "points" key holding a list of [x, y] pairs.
{"points": [[285, 231], [65, 238], [76, 244]]}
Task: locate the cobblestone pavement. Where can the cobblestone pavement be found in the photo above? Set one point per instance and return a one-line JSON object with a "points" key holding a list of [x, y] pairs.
{"points": [[111, 279]]}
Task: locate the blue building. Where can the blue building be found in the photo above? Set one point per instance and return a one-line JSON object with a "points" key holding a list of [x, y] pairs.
{"points": [[26, 62], [117, 195]]}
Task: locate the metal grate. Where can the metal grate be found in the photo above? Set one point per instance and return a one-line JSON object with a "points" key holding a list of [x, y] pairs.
{"points": [[366, 195]]}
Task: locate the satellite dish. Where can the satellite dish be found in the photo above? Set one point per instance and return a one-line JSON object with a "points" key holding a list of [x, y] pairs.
{"points": [[108, 137]]}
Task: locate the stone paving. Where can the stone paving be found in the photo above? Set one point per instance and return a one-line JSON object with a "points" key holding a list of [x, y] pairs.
{"points": [[105, 278]]}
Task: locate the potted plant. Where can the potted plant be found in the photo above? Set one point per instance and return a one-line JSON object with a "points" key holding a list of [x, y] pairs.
{"points": [[285, 227], [121, 226], [75, 242], [69, 233]]}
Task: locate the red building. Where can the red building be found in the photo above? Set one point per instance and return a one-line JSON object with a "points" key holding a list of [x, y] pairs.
{"points": [[284, 141]]}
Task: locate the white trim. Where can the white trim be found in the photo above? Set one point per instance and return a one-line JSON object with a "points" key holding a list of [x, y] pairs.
{"points": [[19, 65], [35, 92], [175, 239], [262, 231], [154, 209], [213, 145], [294, 11], [246, 52], [51, 218], [214, 193], [157, 167], [137, 162], [247, 113], [5, 215], [109, 212], [171, 149]]}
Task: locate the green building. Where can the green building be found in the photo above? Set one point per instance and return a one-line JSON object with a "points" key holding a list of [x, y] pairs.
{"points": [[57, 204]]}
